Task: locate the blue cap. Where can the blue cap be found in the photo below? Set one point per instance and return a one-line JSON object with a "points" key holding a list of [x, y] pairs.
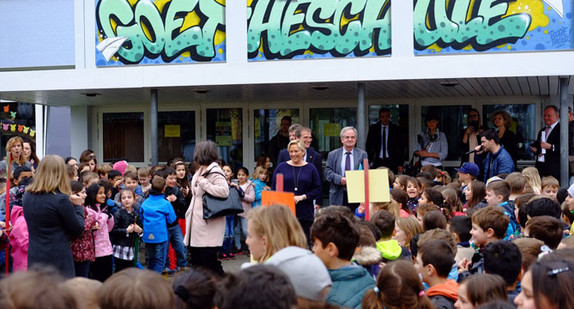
{"points": [[469, 168]]}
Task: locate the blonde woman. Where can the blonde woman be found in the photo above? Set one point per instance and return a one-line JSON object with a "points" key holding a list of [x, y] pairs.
{"points": [[302, 179], [54, 216], [532, 179], [15, 149], [270, 229]]}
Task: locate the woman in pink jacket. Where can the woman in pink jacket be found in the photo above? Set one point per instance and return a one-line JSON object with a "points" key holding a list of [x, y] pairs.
{"points": [[205, 237]]}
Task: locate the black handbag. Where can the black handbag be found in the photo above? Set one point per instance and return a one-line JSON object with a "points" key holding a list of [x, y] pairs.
{"points": [[412, 169], [214, 207]]}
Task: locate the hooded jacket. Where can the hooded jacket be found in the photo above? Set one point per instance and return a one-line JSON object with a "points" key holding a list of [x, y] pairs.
{"points": [[444, 295], [350, 283], [369, 258], [391, 250], [19, 239]]}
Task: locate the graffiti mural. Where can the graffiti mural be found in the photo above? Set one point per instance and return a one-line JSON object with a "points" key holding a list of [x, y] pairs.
{"points": [[158, 32], [302, 29], [468, 26]]}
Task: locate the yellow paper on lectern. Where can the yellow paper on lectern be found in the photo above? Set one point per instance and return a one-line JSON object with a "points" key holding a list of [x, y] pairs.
{"points": [[378, 186]]}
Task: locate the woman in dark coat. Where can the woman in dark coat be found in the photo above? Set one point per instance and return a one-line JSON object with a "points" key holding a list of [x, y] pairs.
{"points": [[302, 179], [54, 216]]}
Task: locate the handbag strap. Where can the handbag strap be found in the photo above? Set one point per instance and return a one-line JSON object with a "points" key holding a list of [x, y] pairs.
{"points": [[212, 172]]}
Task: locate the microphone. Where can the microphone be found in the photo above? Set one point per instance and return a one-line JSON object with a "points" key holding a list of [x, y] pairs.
{"points": [[473, 151]]}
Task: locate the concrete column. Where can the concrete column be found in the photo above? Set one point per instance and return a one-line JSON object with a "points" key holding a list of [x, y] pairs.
{"points": [[361, 116], [79, 133], [564, 131], [153, 124]]}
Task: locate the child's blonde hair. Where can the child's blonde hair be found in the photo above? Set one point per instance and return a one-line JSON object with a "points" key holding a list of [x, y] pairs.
{"points": [[279, 227], [146, 289], [143, 172], [549, 181], [392, 207], [104, 169], [533, 178], [131, 168], [410, 227], [260, 170]]}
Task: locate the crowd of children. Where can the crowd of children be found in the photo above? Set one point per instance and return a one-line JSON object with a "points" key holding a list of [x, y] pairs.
{"points": [[126, 209], [439, 243]]}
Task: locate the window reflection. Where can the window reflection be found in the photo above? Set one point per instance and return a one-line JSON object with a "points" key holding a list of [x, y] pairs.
{"points": [[176, 135], [326, 124], [224, 127]]}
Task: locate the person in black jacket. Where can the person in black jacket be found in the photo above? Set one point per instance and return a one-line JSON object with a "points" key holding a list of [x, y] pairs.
{"points": [[127, 227], [54, 216], [385, 143], [547, 144]]}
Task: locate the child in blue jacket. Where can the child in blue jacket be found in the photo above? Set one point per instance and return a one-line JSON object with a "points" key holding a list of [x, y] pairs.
{"points": [[155, 212]]}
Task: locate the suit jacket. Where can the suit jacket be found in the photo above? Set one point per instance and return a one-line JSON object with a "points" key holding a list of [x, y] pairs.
{"points": [[395, 145], [333, 172], [551, 164]]}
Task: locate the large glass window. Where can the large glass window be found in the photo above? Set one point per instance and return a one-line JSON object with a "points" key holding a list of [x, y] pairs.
{"points": [[123, 136], [451, 123], [224, 127], [267, 122], [327, 123], [176, 135], [522, 124]]}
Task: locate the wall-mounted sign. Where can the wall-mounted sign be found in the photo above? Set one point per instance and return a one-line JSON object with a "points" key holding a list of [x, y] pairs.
{"points": [[159, 32], [470, 26], [304, 29]]}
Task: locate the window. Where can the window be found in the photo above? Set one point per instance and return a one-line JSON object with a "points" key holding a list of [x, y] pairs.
{"points": [[523, 125], [326, 124], [123, 136], [224, 127], [176, 135], [267, 122], [399, 116], [452, 121]]}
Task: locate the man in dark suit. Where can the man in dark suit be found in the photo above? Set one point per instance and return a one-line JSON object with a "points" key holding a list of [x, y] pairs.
{"points": [[340, 160], [385, 143], [280, 140], [547, 145], [311, 155]]}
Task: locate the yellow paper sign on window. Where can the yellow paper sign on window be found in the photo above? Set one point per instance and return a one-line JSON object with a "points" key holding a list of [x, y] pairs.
{"points": [[172, 130], [331, 129], [378, 186]]}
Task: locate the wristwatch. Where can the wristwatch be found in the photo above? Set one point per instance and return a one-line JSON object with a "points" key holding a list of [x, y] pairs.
{"points": [[553, 147]]}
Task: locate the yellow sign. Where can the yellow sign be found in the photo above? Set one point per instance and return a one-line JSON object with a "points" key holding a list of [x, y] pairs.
{"points": [[331, 129], [172, 130], [378, 186]]}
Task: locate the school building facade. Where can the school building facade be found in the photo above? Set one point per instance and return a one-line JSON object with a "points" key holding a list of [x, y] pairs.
{"points": [[145, 80]]}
